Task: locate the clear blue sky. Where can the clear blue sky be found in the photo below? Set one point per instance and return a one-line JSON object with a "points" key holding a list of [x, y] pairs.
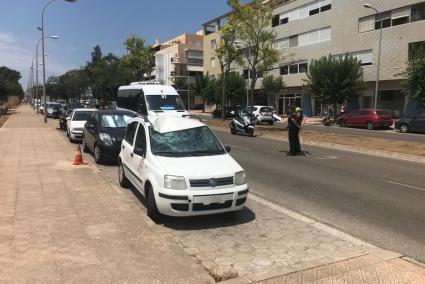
{"points": [[85, 23]]}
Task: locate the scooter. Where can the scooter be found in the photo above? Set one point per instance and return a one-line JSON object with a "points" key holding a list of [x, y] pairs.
{"points": [[243, 124], [327, 119]]}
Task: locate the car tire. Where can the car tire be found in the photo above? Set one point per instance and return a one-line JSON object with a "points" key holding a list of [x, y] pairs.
{"points": [[85, 148], [342, 123], [98, 154], [122, 179], [70, 138], [404, 128], [67, 133], [152, 209], [370, 125]]}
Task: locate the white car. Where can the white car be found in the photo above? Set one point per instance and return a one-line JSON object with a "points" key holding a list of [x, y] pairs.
{"points": [[75, 123], [261, 114], [180, 167]]}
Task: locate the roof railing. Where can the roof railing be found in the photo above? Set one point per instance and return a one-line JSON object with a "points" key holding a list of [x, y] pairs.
{"points": [[151, 82]]}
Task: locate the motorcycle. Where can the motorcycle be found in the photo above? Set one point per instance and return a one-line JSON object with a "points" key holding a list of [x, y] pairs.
{"points": [[327, 119], [244, 123]]}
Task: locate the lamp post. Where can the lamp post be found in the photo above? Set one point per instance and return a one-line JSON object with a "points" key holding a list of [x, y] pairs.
{"points": [[44, 56], [36, 70], [369, 6]]}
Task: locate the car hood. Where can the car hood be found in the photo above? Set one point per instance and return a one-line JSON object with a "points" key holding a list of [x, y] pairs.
{"points": [[200, 167], [77, 124]]}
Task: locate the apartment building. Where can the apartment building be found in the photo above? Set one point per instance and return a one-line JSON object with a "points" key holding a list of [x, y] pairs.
{"points": [[177, 63], [310, 29]]}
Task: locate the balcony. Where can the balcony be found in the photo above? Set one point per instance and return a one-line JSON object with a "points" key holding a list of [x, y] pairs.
{"points": [[187, 61]]}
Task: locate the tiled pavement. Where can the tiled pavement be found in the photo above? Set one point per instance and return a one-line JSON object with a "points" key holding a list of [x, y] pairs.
{"points": [[60, 223]]}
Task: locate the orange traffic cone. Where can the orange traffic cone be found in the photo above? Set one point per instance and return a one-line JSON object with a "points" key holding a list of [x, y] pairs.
{"points": [[78, 157]]}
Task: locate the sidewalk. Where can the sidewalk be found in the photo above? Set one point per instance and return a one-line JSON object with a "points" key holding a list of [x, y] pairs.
{"points": [[60, 224], [64, 224]]}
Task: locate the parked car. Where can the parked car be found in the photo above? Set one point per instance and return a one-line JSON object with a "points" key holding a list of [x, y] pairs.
{"points": [[369, 118], [180, 167], [73, 105], [104, 132], [75, 123], [229, 112], [414, 122], [54, 110], [261, 114]]}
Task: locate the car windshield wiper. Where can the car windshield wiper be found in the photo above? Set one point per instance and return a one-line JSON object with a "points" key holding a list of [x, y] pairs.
{"points": [[205, 153]]}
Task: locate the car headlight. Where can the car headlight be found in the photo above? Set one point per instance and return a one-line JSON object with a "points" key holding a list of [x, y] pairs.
{"points": [[240, 178], [174, 182], [106, 138]]}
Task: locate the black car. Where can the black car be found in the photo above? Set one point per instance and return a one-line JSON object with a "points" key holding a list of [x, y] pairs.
{"points": [[414, 122], [103, 133], [229, 112]]}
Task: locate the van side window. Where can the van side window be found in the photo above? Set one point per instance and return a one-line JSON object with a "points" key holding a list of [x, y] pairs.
{"points": [[143, 107], [131, 131]]}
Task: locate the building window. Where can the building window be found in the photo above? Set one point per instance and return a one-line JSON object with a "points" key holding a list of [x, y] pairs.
{"points": [[293, 41], [383, 21], [418, 12], [212, 62], [213, 44], [367, 24], [284, 70], [416, 49], [303, 67], [314, 36], [302, 12], [245, 74], [282, 43], [365, 56], [293, 69], [400, 16]]}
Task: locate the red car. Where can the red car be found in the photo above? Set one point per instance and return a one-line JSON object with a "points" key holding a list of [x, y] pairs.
{"points": [[369, 118]]}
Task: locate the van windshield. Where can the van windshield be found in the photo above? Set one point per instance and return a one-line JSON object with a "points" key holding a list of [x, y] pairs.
{"points": [[198, 141], [164, 102]]}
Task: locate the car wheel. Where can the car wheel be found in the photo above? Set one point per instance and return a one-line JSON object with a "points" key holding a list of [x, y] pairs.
{"points": [[370, 125], [342, 123], [404, 128], [70, 138], [85, 148], [152, 209], [98, 154], [123, 180], [67, 133]]}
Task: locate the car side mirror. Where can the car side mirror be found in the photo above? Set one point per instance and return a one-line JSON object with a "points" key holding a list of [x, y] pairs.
{"points": [[227, 148]]}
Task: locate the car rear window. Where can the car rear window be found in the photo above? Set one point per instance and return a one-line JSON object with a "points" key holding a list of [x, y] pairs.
{"points": [[81, 115]]}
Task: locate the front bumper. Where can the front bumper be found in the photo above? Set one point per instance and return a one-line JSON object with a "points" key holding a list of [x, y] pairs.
{"points": [[262, 118], [200, 202], [77, 135]]}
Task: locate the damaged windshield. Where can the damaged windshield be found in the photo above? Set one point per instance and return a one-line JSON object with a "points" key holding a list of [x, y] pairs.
{"points": [[198, 141]]}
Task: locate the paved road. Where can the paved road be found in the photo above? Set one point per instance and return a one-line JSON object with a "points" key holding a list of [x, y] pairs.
{"points": [[378, 133], [379, 200]]}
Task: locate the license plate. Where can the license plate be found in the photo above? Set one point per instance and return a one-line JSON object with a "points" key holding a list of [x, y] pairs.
{"points": [[209, 199]]}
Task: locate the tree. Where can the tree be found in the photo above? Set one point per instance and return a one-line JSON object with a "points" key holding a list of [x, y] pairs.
{"points": [[227, 54], [414, 76], [236, 88], [140, 59], [334, 79], [272, 85], [9, 83], [255, 37], [201, 82]]}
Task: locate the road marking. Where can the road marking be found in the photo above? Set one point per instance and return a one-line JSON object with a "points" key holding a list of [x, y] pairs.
{"points": [[405, 185], [328, 158], [240, 148]]}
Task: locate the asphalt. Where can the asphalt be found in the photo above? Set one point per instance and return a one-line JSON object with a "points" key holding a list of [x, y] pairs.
{"points": [[378, 200]]}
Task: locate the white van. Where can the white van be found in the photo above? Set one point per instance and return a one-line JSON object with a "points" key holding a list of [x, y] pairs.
{"points": [[151, 99], [180, 167]]}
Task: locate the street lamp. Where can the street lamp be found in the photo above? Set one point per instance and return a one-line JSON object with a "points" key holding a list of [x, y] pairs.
{"points": [[37, 64], [369, 6], [44, 57]]}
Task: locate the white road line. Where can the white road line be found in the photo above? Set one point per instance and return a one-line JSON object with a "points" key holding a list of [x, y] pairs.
{"points": [[240, 148], [328, 158], [405, 185]]}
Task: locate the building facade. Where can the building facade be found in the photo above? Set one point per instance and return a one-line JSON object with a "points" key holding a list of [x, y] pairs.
{"points": [[309, 29], [177, 63]]}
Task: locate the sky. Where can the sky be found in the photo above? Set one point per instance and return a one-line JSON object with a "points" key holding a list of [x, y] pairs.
{"points": [[85, 23]]}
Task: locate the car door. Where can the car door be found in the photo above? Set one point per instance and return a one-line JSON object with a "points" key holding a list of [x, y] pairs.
{"points": [[363, 116], [127, 148], [139, 154], [68, 121], [90, 131], [418, 123]]}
